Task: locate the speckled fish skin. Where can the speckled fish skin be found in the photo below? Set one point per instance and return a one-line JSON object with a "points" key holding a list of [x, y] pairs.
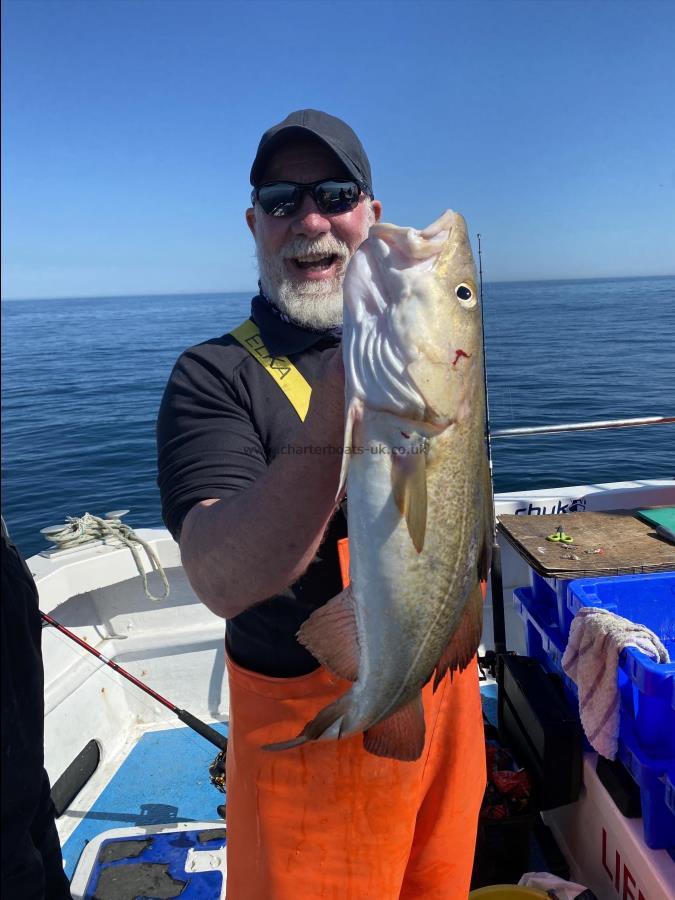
{"points": [[413, 357]]}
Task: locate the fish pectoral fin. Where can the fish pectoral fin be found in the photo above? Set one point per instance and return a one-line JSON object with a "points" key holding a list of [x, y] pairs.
{"points": [[353, 417], [399, 736], [409, 487], [463, 644], [330, 636], [327, 724]]}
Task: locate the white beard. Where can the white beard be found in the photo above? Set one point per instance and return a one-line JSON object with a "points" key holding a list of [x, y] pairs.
{"points": [[311, 304]]}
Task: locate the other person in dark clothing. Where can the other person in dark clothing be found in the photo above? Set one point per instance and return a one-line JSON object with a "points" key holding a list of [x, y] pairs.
{"points": [[31, 866]]}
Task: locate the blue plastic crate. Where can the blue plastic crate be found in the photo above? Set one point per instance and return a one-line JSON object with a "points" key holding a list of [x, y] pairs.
{"points": [[670, 788], [552, 593], [648, 600], [650, 774], [545, 642]]}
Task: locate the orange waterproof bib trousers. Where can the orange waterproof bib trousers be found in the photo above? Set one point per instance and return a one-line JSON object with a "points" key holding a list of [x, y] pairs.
{"points": [[328, 820]]}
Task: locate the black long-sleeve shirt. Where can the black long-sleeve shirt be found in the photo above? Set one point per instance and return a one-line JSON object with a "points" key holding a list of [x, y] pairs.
{"points": [[222, 421]]}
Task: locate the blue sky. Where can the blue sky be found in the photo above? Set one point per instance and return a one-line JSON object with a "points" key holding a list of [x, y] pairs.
{"points": [[129, 127]]}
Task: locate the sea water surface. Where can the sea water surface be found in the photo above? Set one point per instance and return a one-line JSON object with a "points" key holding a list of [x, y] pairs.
{"points": [[83, 379]]}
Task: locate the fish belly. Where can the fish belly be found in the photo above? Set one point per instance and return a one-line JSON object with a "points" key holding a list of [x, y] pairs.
{"points": [[407, 603]]}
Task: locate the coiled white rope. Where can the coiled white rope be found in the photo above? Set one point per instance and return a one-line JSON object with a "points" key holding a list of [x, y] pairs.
{"points": [[81, 530]]}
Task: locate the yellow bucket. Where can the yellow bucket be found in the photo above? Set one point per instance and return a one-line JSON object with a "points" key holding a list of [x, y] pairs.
{"points": [[506, 892]]}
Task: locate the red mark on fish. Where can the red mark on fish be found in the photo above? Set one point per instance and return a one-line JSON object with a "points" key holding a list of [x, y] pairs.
{"points": [[458, 355]]}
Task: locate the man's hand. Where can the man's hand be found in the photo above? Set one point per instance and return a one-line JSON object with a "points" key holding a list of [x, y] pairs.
{"points": [[233, 551]]}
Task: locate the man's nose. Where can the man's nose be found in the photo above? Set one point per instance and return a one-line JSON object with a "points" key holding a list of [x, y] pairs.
{"points": [[309, 221]]}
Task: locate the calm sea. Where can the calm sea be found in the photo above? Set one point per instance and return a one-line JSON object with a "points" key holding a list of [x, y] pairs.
{"points": [[82, 382]]}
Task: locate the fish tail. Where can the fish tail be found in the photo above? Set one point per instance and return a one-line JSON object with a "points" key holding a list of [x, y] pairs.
{"points": [[328, 724], [287, 745]]}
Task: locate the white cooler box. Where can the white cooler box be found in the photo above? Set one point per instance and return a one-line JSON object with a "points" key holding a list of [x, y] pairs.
{"points": [[606, 851]]}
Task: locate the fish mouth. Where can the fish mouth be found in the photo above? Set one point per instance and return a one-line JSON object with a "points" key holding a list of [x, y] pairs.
{"points": [[415, 247]]}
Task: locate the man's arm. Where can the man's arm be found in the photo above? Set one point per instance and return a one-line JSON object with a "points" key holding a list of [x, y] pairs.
{"points": [[242, 549]]}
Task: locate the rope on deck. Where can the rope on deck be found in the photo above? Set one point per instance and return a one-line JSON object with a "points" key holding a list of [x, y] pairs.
{"points": [[81, 530]]}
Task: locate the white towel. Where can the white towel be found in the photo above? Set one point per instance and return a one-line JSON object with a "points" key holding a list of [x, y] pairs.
{"points": [[554, 886], [591, 659]]}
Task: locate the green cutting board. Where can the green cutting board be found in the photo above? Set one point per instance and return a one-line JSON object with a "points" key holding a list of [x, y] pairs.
{"points": [[662, 518]]}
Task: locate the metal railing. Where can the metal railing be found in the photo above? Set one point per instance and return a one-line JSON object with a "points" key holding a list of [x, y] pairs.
{"points": [[582, 426], [498, 620]]}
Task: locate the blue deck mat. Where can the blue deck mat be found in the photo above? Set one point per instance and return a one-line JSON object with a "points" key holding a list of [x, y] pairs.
{"points": [[164, 779], [157, 867]]}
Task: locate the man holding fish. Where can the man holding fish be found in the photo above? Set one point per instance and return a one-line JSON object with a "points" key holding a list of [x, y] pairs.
{"points": [[356, 764]]}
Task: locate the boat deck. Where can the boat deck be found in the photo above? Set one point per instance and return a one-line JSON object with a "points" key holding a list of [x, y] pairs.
{"points": [[161, 779], [153, 777], [164, 779]]}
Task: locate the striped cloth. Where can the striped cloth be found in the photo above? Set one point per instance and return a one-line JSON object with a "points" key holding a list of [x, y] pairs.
{"points": [[591, 659]]}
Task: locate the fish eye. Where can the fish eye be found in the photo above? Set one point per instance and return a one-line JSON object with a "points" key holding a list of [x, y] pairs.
{"points": [[465, 295]]}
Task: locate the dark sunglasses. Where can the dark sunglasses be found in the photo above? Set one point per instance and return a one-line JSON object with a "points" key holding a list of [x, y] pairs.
{"points": [[332, 196]]}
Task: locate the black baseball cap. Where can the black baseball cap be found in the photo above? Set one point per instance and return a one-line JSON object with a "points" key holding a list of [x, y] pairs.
{"points": [[330, 130]]}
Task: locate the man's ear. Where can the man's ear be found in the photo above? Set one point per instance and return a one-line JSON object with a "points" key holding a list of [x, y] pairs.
{"points": [[250, 219], [376, 207]]}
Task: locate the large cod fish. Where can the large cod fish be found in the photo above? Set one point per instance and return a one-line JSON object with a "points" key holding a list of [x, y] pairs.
{"points": [[418, 486]]}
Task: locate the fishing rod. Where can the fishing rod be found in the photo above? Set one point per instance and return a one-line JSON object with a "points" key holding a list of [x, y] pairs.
{"points": [[219, 740], [488, 439], [496, 581]]}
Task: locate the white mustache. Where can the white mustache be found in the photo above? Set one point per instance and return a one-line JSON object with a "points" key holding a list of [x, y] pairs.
{"points": [[323, 246]]}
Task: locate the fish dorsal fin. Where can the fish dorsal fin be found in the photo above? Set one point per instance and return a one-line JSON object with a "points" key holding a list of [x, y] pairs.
{"points": [[409, 487], [463, 644]]}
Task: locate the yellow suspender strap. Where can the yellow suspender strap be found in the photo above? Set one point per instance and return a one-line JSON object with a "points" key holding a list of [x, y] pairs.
{"points": [[280, 368]]}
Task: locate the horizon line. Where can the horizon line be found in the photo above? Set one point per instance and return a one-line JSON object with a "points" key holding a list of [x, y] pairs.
{"points": [[224, 293]]}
